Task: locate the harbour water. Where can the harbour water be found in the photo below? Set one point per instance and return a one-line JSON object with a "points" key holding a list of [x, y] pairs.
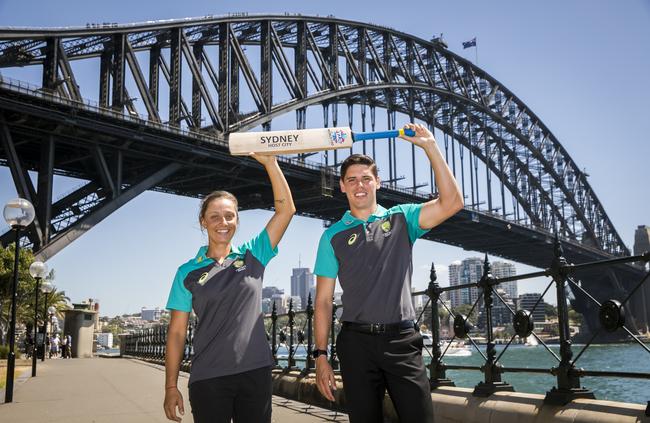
{"points": [[611, 357]]}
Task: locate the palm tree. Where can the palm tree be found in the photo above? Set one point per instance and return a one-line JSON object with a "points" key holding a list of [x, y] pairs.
{"points": [[56, 299], [25, 292]]}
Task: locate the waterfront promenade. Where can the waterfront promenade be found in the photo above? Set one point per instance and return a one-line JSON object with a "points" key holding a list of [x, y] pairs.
{"points": [[103, 390]]}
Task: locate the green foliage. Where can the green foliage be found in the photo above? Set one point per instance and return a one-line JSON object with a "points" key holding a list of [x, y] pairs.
{"points": [[464, 309], [575, 317], [4, 352], [550, 310], [26, 290]]}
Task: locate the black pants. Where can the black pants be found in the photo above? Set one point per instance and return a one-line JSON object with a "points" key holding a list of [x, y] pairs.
{"points": [[243, 397], [372, 364]]}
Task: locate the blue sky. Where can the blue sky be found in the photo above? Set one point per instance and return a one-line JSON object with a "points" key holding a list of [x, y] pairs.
{"points": [[581, 66]]}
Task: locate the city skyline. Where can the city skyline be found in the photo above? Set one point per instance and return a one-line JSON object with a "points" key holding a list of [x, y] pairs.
{"points": [[128, 260]]}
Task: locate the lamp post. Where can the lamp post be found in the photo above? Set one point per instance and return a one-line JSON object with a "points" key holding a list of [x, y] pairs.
{"points": [[18, 213], [38, 270], [47, 287]]}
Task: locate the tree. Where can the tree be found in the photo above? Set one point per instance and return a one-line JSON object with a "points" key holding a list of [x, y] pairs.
{"points": [[575, 317], [25, 292], [464, 309], [25, 288], [550, 310]]}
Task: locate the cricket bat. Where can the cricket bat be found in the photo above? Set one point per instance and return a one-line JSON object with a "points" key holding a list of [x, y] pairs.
{"points": [[303, 140]]}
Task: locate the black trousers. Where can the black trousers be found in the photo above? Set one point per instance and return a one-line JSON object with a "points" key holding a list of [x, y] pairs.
{"points": [[243, 397], [372, 364]]}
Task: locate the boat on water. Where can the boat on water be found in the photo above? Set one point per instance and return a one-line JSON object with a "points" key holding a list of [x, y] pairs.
{"points": [[531, 341], [456, 349]]}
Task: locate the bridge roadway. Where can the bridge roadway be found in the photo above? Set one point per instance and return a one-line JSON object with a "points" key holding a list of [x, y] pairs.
{"points": [[107, 390]]}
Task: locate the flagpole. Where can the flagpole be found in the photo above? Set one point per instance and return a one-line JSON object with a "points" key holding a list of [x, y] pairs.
{"points": [[476, 50]]}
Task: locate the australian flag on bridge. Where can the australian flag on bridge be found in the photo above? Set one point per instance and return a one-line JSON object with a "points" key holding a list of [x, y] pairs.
{"points": [[470, 43]]}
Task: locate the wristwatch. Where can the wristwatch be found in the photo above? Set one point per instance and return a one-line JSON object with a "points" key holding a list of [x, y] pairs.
{"points": [[317, 353]]}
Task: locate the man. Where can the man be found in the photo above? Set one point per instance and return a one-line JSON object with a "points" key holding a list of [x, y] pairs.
{"points": [[370, 251]]}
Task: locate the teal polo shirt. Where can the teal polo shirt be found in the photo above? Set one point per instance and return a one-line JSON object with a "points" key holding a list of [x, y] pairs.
{"points": [[373, 262], [230, 337]]}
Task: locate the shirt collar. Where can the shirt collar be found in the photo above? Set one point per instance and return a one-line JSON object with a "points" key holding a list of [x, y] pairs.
{"points": [[201, 254], [348, 219]]}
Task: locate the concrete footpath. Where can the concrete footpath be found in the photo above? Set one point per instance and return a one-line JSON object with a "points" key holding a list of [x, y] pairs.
{"points": [[102, 390]]}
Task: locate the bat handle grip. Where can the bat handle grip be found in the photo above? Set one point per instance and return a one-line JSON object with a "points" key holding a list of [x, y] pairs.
{"points": [[360, 136]]}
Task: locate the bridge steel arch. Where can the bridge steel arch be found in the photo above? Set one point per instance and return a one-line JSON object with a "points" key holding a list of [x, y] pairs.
{"points": [[275, 64]]}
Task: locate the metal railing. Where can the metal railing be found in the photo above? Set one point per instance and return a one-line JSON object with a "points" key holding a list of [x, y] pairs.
{"points": [[293, 331]]}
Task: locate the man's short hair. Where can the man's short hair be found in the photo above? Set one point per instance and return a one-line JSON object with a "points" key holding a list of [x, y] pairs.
{"points": [[359, 159]]}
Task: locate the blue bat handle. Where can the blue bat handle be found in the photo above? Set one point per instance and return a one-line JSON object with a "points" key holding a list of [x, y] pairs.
{"points": [[360, 136]]}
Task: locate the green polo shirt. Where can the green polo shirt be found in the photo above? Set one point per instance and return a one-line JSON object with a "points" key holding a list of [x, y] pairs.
{"points": [[229, 336], [373, 262]]}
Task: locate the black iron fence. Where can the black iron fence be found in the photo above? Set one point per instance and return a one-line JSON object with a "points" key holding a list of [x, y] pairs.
{"points": [[291, 334]]}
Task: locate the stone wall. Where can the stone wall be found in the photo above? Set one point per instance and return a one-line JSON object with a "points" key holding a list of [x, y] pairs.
{"points": [[455, 405]]}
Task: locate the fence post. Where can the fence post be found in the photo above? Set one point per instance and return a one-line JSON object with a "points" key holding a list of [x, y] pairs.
{"points": [[568, 383], [291, 363], [334, 362], [274, 334], [491, 368], [163, 342], [187, 347], [309, 362], [437, 376]]}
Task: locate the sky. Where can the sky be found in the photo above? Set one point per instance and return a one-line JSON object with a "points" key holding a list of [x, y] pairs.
{"points": [[581, 66]]}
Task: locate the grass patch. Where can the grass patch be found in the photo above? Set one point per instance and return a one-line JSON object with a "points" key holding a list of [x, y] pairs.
{"points": [[17, 372]]}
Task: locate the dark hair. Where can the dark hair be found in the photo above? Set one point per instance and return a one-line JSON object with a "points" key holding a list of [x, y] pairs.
{"points": [[215, 195], [360, 159]]}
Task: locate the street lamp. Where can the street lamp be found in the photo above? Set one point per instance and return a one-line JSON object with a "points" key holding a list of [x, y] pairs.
{"points": [[19, 214], [47, 287], [38, 270]]}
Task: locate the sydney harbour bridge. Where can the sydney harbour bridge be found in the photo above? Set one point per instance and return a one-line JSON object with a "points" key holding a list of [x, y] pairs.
{"points": [[166, 94]]}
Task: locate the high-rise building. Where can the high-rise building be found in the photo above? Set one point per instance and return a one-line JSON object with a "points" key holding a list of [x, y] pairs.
{"points": [[150, 314], [302, 280], [527, 302], [279, 301], [469, 270], [296, 303], [501, 315], [267, 305], [641, 302], [270, 291], [642, 240], [501, 269]]}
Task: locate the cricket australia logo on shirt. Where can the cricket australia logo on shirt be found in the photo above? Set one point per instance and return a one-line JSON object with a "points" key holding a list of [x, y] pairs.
{"points": [[239, 265], [385, 227], [352, 239], [203, 279]]}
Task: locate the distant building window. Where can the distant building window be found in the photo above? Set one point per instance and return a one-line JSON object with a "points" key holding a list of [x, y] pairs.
{"points": [[88, 316]]}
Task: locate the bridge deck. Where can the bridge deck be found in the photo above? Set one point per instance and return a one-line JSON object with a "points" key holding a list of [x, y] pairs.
{"points": [[110, 390]]}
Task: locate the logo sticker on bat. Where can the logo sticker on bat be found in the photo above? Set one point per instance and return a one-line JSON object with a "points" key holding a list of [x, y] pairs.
{"points": [[337, 137]]}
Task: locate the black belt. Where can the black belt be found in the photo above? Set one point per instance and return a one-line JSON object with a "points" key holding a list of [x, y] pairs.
{"points": [[379, 328]]}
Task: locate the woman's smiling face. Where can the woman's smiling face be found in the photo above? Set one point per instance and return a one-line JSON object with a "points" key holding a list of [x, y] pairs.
{"points": [[220, 220]]}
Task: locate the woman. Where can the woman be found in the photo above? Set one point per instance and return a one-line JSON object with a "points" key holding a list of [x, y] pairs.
{"points": [[230, 376]]}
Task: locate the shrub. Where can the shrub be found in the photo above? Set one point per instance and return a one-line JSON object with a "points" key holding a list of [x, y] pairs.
{"points": [[4, 352]]}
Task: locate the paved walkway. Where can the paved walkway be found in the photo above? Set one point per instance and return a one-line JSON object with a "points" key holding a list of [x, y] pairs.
{"points": [[103, 390]]}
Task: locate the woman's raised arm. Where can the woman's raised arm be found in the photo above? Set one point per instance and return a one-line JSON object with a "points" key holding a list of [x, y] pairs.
{"points": [[282, 199]]}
